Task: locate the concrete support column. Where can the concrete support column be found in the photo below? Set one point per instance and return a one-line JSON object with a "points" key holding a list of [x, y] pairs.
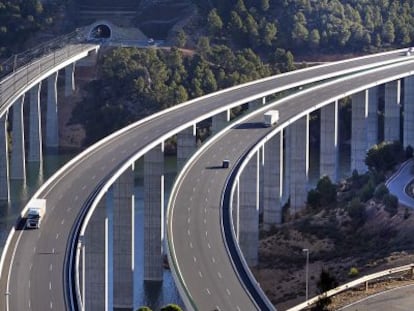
{"points": [[186, 145], [249, 211], [286, 165], [408, 111], [219, 121], [4, 161], [236, 209], [299, 166], [392, 111], [372, 121], [69, 79], [96, 262], [153, 213], [257, 103], [272, 180], [329, 142], [123, 241], [18, 156], [52, 135], [35, 133], [359, 131]]}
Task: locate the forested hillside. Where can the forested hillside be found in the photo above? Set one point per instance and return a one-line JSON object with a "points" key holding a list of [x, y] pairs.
{"points": [[21, 19], [306, 25]]}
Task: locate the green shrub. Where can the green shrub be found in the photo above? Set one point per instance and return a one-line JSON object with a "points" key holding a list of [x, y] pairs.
{"points": [[381, 191], [353, 272], [391, 204]]}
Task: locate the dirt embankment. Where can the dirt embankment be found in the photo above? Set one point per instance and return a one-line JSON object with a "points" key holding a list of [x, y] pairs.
{"points": [[336, 245]]}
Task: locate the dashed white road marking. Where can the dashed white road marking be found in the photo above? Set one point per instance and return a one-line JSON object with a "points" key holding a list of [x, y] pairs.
{"points": [[219, 275], [51, 305], [76, 198], [208, 291], [200, 274], [57, 236], [63, 221], [188, 232], [83, 187], [194, 258], [50, 267], [30, 285], [208, 245], [191, 245], [93, 177], [228, 291], [50, 285], [213, 259]]}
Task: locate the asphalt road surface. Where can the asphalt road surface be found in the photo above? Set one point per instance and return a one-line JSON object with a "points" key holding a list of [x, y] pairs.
{"points": [[399, 299]]}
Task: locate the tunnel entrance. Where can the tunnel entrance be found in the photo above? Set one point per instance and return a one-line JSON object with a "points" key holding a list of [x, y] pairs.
{"points": [[101, 31]]}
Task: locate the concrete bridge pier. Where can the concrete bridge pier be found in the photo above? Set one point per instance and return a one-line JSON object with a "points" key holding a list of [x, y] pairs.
{"points": [[372, 126], [257, 103], [35, 133], [153, 213], [299, 166], [123, 240], [18, 155], [249, 211], [272, 181], [52, 135], [70, 79], [186, 145], [4, 161], [392, 111], [408, 133], [235, 204], [329, 142], [286, 165], [220, 121], [95, 243], [359, 144]]}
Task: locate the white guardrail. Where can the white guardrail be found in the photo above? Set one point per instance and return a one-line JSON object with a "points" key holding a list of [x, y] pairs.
{"points": [[352, 284]]}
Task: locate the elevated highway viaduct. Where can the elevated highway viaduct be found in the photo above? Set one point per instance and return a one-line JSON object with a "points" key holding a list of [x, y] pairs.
{"points": [[38, 264], [206, 202]]}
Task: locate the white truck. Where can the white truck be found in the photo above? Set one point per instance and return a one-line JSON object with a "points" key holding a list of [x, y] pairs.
{"points": [[35, 212], [271, 117]]}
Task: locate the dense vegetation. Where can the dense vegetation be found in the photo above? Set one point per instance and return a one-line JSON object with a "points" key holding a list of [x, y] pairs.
{"points": [[134, 83], [305, 25], [21, 19]]}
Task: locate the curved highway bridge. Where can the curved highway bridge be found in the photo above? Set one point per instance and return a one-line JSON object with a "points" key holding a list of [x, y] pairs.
{"points": [[40, 265]]}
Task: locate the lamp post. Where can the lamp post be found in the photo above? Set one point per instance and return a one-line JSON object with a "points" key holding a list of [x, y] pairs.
{"points": [[306, 250]]}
